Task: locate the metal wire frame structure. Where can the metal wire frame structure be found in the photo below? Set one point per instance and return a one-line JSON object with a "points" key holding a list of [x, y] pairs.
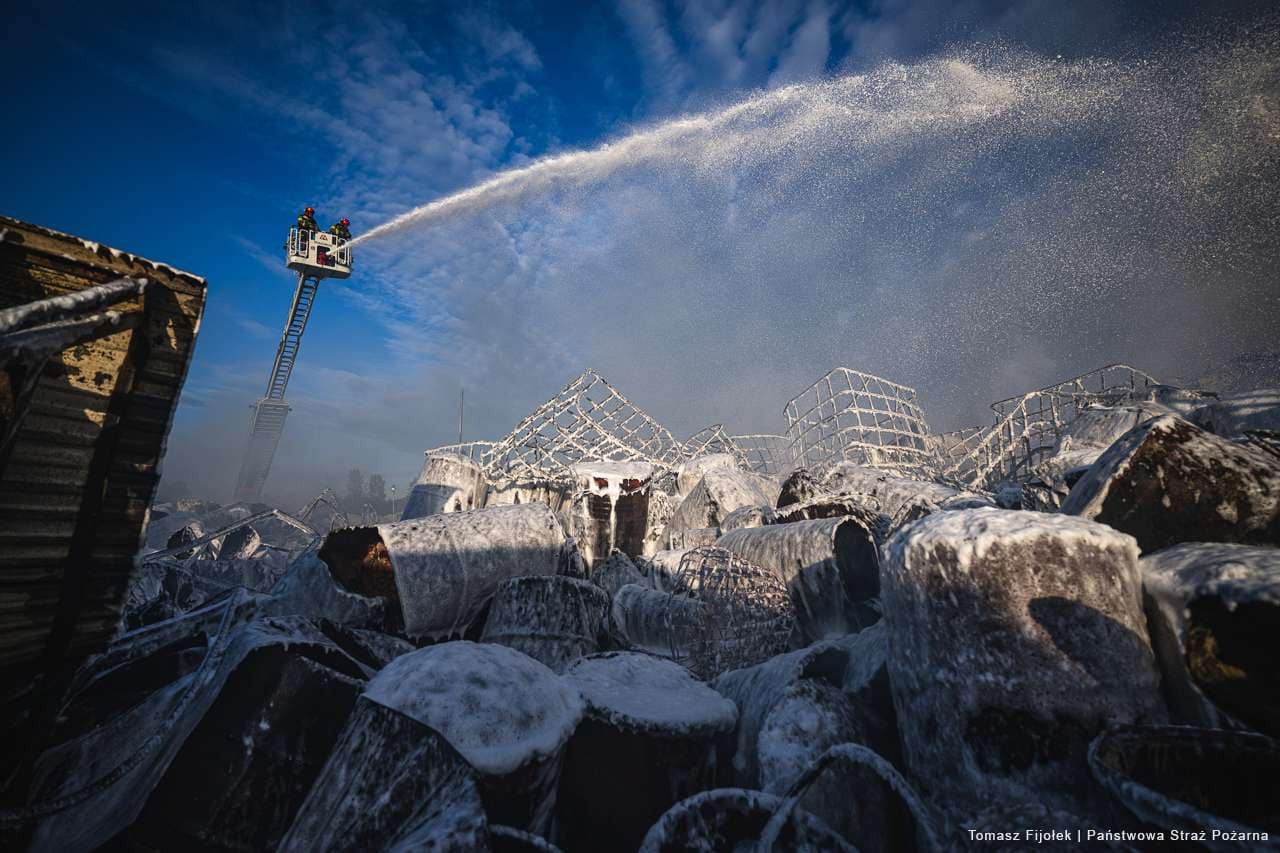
{"points": [[588, 421], [712, 439], [768, 454], [1027, 427], [726, 613], [850, 416]]}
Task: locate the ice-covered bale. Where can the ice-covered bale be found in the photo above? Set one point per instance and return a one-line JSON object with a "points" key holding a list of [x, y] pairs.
{"points": [[390, 779], [552, 619], [800, 486], [811, 717], [892, 491], [732, 819], [664, 566], [661, 506], [721, 612], [1167, 481], [830, 566], [615, 573], [690, 473], [449, 482], [748, 516], [862, 507], [1214, 612], [1194, 780], [718, 493], [439, 572], [1014, 638], [199, 731], [647, 742], [610, 508], [1232, 416], [506, 714], [690, 538], [1086, 438]]}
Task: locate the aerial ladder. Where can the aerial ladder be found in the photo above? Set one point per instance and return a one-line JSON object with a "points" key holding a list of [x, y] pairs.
{"points": [[314, 255]]}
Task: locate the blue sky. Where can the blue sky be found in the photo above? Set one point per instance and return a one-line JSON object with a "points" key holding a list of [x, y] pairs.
{"points": [[195, 138]]}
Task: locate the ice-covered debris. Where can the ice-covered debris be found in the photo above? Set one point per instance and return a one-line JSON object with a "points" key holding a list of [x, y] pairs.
{"points": [[309, 589], [865, 508], [663, 567], [718, 493], [1100, 427], [810, 717], [610, 508], [140, 717], [1214, 611], [390, 783], [499, 708], [1232, 416], [800, 485], [1167, 481], [647, 741], [551, 618], [748, 516], [892, 490], [690, 473], [449, 482], [733, 819], [443, 569], [1193, 780], [616, 572], [830, 567], [645, 693], [1014, 638]]}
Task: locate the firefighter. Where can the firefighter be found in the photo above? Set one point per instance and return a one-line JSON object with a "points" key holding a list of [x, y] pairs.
{"points": [[341, 228], [307, 221]]}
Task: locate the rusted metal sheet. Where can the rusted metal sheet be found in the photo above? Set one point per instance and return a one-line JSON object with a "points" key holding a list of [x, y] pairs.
{"points": [[82, 465]]}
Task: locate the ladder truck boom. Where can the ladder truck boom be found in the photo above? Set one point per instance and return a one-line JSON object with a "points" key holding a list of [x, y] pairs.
{"points": [[314, 255]]}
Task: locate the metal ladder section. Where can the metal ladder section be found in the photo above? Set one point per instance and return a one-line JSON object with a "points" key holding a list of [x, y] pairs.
{"points": [[269, 413]]}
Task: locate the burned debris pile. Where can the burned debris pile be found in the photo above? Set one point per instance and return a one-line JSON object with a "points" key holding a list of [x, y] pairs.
{"points": [[590, 636]]}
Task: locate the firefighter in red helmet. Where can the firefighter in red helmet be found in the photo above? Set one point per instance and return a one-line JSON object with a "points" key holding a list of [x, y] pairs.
{"points": [[307, 220], [341, 228]]}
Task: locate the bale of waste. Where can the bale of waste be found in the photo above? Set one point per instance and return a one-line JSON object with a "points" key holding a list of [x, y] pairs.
{"points": [[661, 506], [722, 613], [748, 516], [690, 473], [552, 619], [810, 717], [1214, 612], [718, 493], [616, 572], [1167, 481], [864, 508], [308, 588], [506, 714], [610, 508], [1210, 781], [439, 572], [694, 537], [1014, 638], [389, 781], [830, 566], [891, 490], [801, 485], [665, 565], [449, 482], [727, 820], [142, 745], [646, 742]]}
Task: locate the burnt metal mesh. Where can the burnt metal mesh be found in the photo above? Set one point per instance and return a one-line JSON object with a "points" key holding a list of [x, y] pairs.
{"points": [[772, 455], [848, 416], [726, 613], [1027, 427], [588, 421]]}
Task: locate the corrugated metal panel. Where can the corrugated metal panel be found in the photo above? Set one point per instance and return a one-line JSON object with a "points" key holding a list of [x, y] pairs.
{"points": [[84, 465]]}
